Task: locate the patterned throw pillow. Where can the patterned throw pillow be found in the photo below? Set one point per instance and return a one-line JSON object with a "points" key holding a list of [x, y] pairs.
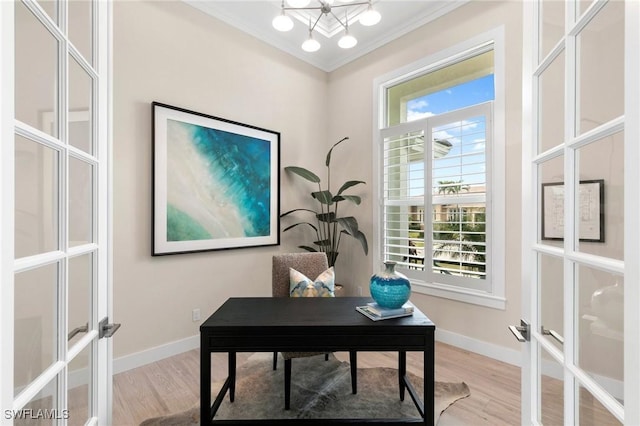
{"points": [[302, 286]]}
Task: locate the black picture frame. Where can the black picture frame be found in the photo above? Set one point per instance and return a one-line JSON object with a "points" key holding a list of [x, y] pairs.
{"points": [[216, 183], [592, 205]]}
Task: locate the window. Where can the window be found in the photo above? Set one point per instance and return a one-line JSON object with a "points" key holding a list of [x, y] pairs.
{"points": [[440, 151]]}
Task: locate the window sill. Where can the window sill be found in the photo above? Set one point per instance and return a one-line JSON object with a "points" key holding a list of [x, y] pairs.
{"points": [[459, 294]]}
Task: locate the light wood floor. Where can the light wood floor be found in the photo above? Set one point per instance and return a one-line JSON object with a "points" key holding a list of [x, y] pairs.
{"points": [[173, 384]]}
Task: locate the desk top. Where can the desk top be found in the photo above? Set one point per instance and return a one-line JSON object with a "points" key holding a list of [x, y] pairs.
{"points": [[305, 312]]}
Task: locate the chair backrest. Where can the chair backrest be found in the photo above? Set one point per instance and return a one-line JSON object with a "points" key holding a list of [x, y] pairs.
{"points": [[310, 264]]}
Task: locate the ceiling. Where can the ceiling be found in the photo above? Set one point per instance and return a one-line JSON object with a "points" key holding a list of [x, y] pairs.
{"points": [[398, 18]]}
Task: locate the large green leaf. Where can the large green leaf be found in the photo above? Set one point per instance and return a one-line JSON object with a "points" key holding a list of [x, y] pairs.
{"points": [[363, 240], [325, 197], [328, 161], [307, 248], [349, 184], [300, 171], [360, 237], [353, 198], [350, 224], [297, 210], [326, 217], [300, 223]]}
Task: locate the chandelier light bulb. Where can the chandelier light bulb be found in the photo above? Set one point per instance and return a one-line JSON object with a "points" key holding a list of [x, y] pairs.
{"points": [[347, 41], [370, 17], [310, 45], [298, 3], [282, 22]]}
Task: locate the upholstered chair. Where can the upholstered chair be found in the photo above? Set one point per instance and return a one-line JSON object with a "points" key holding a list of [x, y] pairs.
{"points": [[311, 265]]}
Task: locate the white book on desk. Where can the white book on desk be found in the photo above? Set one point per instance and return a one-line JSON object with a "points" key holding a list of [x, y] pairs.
{"points": [[407, 308], [366, 311]]}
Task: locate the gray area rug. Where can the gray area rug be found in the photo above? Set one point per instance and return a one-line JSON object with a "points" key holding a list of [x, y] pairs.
{"points": [[319, 389]]}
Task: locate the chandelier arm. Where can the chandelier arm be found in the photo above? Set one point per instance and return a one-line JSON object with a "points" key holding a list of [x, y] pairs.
{"points": [[302, 8], [359, 3], [315, 23], [339, 20]]}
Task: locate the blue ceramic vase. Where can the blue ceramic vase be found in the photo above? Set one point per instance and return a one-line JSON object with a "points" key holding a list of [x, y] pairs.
{"points": [[390, 289]]}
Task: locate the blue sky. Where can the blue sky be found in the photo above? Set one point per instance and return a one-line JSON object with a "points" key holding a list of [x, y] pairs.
{"points": [[467, 137], [456, 97]]}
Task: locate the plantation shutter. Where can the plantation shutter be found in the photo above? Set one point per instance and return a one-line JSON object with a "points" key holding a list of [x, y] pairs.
{"points": [[403, 194]]}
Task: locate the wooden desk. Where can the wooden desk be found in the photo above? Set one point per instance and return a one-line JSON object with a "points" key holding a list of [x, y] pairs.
{"points": [[267, 324]]}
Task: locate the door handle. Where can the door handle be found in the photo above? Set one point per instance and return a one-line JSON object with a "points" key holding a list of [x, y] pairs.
{"points": [[107, 330], [78, 330], [552, 333], [520, 332]]}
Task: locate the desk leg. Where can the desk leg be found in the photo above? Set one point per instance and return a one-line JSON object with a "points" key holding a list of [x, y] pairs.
{"points": [[402, 371], [205, 383], [232, 375], [429, 382]]}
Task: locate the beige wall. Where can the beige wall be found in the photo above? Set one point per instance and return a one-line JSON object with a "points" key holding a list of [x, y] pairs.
{"points": [[171, 53], [350, 106]]}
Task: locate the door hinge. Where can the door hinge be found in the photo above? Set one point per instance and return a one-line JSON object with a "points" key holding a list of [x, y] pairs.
{"points": [[521, 332], [107, 330]]}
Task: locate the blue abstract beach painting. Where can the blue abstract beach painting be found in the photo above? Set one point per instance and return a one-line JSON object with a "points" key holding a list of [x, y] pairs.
{"points": [[218, 184]]}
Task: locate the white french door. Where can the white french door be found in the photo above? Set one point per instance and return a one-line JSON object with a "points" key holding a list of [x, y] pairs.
{"points": [[55, 215], [580, 202]]}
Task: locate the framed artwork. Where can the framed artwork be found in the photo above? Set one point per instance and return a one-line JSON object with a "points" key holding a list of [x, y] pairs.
{"points": [[215, 183], [591, 215]]}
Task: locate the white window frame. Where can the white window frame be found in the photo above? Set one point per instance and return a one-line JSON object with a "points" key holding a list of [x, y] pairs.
{"points": [[493, 39]]}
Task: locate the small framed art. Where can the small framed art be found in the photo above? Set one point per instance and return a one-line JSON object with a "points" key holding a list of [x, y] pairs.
{"points": [[590, 217]]}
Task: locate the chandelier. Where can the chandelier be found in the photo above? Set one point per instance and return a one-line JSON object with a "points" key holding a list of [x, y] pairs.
{"points": [[283, 21]]}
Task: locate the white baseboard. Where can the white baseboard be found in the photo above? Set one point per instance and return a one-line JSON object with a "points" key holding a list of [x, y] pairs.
{"points": [[138, 359], [470, 344]]}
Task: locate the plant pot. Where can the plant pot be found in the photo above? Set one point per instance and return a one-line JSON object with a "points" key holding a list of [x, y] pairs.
{"points": [[390, 289]]}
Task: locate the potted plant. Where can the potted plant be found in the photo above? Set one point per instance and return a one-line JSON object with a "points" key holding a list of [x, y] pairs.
{"points": [[328, 225]]}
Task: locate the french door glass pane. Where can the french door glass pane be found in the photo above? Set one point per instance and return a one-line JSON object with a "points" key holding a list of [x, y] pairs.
{"points": [[551, 108], [599, 320], [80, 202], [602, 160], [550, 273], [36, 72], [36, 198], [46, 399], [80, 27], [600, 68], [80, 95], [36, 322], [79, 389], [551, 178], [592, 412], [79, 305], [551, 25], [551, 387], [51, 7]]}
